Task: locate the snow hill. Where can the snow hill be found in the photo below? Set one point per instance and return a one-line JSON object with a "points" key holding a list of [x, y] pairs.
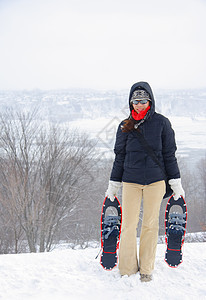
{"points": [[75, 274]]}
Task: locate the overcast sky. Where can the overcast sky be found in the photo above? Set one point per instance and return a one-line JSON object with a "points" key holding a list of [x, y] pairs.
{"points": [[102, 44]]}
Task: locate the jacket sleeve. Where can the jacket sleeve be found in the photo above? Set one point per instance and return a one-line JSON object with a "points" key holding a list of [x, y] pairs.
{"points": [[120, 152], [168, 150]]}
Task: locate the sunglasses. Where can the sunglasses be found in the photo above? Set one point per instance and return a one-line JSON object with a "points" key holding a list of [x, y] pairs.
{"points": [[144, 101]]}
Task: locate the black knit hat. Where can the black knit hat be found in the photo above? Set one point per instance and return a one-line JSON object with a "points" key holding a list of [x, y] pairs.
{"points": [[140, 95]]}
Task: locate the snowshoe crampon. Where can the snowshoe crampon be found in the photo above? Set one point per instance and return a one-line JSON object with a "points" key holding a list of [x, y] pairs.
{"points": [[175, 229], [110, 232]]}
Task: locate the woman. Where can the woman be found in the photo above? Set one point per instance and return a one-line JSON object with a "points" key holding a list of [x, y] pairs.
{"points": [[142, 178]]}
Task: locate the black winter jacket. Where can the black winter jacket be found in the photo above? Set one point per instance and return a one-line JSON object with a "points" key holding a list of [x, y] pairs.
{"points": [[132, 163]]}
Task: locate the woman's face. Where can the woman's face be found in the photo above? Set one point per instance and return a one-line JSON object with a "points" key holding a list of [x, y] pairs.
{"points": [[140, 107]]}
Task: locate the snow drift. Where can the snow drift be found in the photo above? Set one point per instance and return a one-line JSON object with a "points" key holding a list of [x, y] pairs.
{"points": [[75, 274]]}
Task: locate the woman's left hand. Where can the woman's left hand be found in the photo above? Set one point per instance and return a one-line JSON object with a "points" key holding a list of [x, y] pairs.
{"points": [[177, 188]]}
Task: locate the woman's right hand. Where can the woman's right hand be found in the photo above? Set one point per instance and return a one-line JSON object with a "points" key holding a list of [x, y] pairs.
{"points": [[113, 189]]}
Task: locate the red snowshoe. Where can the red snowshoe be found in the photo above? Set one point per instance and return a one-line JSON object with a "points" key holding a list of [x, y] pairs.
{"points": [[175, 229], [110, 232]]}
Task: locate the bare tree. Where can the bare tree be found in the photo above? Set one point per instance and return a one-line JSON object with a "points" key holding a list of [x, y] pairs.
{"points": [[42, 171], [201, 192], [194, 184], [85, 222]]}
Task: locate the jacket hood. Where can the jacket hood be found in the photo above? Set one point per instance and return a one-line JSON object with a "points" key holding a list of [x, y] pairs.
{"points": [[145, 86]]}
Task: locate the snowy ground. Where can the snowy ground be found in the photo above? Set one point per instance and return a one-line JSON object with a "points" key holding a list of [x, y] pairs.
{"points": [[75, 274]]}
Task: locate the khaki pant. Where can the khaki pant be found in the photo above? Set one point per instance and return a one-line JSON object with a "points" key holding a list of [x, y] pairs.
{"points": [[132, 195]]}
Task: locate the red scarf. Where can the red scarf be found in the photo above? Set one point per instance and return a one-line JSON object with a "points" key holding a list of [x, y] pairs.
{"points": [[139, 116]]}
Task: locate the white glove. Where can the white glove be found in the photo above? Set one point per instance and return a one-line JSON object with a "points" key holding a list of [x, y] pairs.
{"points": [[177, 188], [112, 189]]}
